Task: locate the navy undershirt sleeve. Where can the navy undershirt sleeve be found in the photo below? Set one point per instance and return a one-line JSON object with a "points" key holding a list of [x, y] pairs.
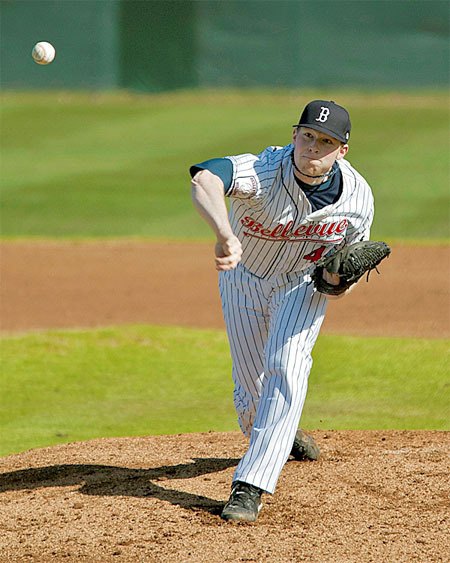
{"points": [[222, 167]]}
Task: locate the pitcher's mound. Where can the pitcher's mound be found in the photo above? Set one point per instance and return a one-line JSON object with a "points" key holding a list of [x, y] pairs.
{"points": [[374, 496]]}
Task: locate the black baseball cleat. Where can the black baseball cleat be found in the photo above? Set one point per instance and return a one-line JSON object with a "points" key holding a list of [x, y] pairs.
{"points": [[305, 447], [244, 503]]}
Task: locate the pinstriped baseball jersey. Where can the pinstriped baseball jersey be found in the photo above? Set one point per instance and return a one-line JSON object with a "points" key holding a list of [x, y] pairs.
{"points": [[272, 310], [275, 222]]}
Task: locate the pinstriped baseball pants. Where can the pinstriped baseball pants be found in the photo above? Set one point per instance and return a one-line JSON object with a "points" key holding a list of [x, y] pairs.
{"points": [[272, 327]]}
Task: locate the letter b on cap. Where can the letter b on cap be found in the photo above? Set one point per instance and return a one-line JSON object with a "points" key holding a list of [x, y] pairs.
{"points": [[323, 115]]}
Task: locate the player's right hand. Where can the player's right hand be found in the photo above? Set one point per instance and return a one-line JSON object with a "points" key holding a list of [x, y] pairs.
{"points": [[228, 254]]}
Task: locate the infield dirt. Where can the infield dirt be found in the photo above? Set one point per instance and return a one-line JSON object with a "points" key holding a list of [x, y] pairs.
{"points": [[374, 496], [57, 285]]}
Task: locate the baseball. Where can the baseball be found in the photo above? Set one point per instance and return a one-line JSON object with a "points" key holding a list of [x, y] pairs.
{"points": [[43, 53]]}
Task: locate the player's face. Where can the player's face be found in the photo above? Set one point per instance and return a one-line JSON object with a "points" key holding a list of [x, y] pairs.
{"points": [[316, 152]]}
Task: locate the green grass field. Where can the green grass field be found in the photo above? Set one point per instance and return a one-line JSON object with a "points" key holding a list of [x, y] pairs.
{"points": [[62, 386], [79, 165], [116, 165]]}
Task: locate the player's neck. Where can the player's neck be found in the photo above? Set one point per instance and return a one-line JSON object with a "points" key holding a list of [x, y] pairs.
{"points": [[311, 180]]}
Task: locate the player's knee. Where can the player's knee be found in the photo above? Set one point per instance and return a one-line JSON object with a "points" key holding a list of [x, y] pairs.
{"points": [[283, 368]]}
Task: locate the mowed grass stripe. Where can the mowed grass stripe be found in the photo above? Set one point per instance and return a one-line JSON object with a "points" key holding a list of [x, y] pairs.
{"points": [[117, 165], [63, 386]]}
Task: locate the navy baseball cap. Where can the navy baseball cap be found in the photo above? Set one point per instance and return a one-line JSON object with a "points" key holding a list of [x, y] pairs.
{"points": [[327, 117]]}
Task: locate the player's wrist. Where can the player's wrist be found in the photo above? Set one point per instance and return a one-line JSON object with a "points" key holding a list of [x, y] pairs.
{"points": [[225, 236]]}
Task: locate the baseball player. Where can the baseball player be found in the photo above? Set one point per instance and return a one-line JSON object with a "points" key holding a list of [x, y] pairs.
{"points": [[290, 207]]}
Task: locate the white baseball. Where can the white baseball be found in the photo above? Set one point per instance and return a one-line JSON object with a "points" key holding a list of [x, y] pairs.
{"points": [[43, 53]]}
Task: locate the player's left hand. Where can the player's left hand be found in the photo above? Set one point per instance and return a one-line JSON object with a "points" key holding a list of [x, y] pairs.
{"points": [[228, 253]]}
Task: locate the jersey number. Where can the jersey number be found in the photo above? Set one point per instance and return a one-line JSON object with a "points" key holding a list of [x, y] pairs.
{"points": [[315, 254]]}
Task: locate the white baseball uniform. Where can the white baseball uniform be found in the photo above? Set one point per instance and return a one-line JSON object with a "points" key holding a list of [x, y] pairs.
{"points": [[272, 312]]}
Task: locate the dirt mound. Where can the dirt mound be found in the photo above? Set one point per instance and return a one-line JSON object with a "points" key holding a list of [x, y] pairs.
{"points": [[373, 496]]}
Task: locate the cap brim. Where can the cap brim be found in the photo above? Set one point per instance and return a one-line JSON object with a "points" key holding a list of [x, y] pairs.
{"points": [[322, 129]]}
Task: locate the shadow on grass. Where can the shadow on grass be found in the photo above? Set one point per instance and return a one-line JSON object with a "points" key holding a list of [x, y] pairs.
{"points": [[108, 480]]}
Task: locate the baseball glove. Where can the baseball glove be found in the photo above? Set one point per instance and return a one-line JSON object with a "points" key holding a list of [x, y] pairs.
{"points": [[350, 263]]}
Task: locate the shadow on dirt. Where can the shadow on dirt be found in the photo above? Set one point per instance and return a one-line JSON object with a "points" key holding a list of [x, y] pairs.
{"points": [[107, 480]]}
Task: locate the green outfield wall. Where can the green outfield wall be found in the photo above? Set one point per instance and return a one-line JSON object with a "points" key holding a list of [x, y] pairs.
{"points": [[157, 45]]}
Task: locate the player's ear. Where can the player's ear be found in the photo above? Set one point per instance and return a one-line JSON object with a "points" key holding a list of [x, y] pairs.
{"points": [[342, 152], [294, 133]]}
